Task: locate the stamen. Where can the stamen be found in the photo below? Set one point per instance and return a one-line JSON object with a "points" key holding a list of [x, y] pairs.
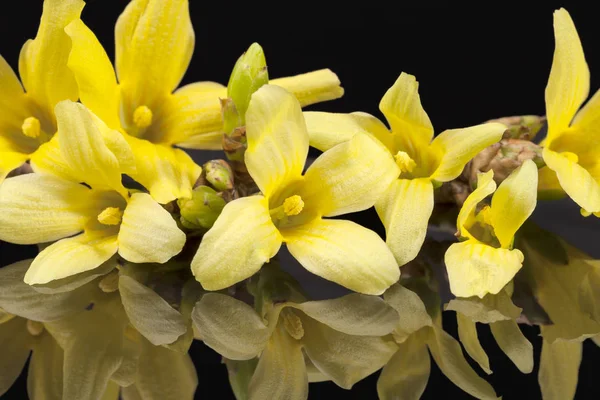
{"points": [[292, 324], [404, 161], [110, 216], [35, 328], [31, 127], [293, 205], [142, 117]]}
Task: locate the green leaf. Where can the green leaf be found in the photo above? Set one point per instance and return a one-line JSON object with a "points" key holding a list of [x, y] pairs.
{"points": [[467, 333], [559, 369], [491, 308], [509, 337]]}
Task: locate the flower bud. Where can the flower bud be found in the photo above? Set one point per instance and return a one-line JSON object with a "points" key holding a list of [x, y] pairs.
{"points": [[522, 127], [202, 210], [219, 175]]}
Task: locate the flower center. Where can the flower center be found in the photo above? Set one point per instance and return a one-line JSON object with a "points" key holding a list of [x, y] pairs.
{"points": [[404, 162], [31, 127], [291, 206], [142, 117], [482, 228], [110, 216], [292, 324]]}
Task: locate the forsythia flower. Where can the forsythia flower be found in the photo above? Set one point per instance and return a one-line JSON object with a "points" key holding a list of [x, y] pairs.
{"points": [[347, 178], [27, 119], [407, 204], [572, 147], [484, 262], [42, 208]]}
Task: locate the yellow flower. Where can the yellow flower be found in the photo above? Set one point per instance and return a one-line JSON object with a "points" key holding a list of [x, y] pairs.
{"points": [[105, 219], [572, 147], [407, 204], [347, 178], [154, 45], [27, 119], [484, 262]]}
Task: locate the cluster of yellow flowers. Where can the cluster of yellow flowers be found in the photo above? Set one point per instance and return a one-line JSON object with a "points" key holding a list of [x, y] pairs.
{"points": [[142, 250]]}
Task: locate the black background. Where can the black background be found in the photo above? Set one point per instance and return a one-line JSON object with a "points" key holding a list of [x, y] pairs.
{"points": [[473, 63]]}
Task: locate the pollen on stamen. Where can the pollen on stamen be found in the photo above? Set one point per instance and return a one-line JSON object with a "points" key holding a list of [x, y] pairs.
{"points": [[142, 117], [31, 127], [404, 162], [110, 216], [293, 205], [292, 324]]}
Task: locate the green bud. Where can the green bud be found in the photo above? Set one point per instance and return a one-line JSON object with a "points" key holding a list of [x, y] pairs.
{"points": [[219, 175], [202, 210], [249, 74]]}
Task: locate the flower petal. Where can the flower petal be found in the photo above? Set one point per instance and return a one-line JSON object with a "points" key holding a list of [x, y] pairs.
{"points": [[281, 372], [71, 256], [406, 374], [14, 108], [458, 146], [410, 124], [10, 160], [475, 269], [569, 81], [467, 333], [514, 201], [277, 138], [312, 87], [404, 209], [45, 374], [410, 308], [344, 252], [579, 184], [16, 346], [240, 373], [154, 45], [559, 369], [43, 60], [57, 208], [148, 240], [485, 186], [350, 177], [491, 308], [353, 314], [230, 327], [514, 344], [98, 89], [149, 313]]}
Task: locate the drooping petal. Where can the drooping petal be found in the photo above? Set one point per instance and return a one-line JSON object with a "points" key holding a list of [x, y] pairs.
{"points": [[167, 173], [277, 138], [344, 252], [559, 369], [10, 160], [569, 81], [456, 147], [149, 313], [406, 374], [410, 308], [45, 374], [230, 327], [514, 344], [55, 207], [148, 240], [410, 124], [491, 308], [43, 60], [98, 89], [16, 346], [579, 184], [353, 314], [71, 256], [514, 201], [404, 209], [485, 186], [312, 87], [467, 333], [240, 373], [281, 372], [349, 177], [238, 244], [476, 269]]}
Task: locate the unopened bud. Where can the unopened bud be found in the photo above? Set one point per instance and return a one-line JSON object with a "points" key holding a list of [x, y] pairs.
{"points": [[202, 210], [523, 127], [219, 175]]}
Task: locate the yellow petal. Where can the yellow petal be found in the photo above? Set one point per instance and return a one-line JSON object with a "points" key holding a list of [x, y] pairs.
{"points": [[514, 344], [485, 187], [240, 373], [71, 256], [410, 307], [10, 160], [230, 327], [112, 391], [16, 346], [94, 73], [277, 138], [154, 45], [514, 201], [457, 147], [148, 240], [588, 116], [404, 209], [548, 185], [475, 269], [467, 333], [344, 252], [192, 118], [43, 60], [350, 177], [45, 374], [312, 87], [569, 81], [410, 124], [405, 376], [579, 184], [57, 208], [491, 308], [559, 369], [48, 159], [281, 372], [167, 173], [238, 244]]}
